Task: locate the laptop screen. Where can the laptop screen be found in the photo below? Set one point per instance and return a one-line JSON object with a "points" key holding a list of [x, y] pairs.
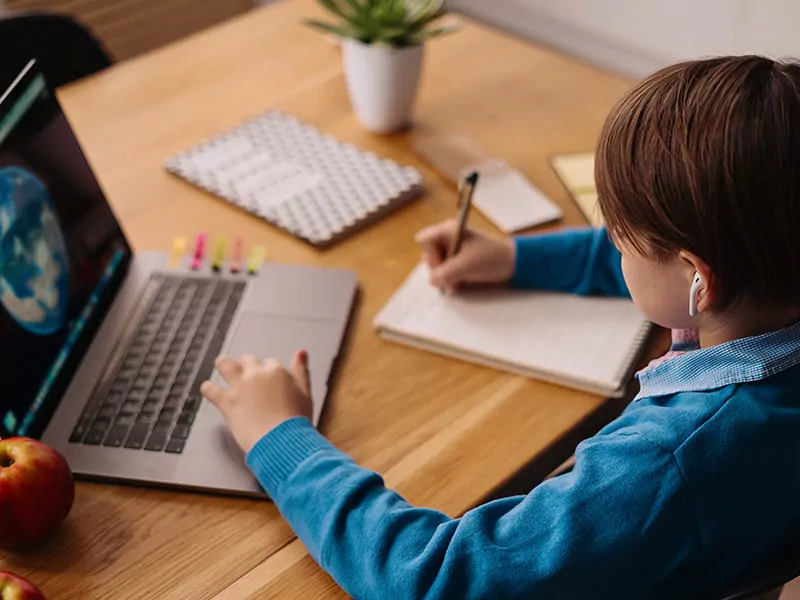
{"points": [[62, 254]]}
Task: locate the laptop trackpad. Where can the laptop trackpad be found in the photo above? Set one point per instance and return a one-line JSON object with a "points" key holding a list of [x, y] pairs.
{"points": [[280, 337], [212, 458]]}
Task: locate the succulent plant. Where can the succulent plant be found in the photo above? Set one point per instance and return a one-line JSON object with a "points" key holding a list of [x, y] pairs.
{"points": [[393, 23]]}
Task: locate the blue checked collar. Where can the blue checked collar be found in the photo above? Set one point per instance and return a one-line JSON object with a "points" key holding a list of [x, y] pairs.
{"points": [[738, 361]]}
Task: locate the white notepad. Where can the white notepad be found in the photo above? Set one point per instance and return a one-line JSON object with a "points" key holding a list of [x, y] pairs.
{"points": [[589, 343], [509, 200]]}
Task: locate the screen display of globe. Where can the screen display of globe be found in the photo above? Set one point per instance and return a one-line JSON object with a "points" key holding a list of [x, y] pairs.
{"points": [[34, 267]]}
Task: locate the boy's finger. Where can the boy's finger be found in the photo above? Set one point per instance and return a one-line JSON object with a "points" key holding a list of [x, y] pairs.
{"points": [[432, 257], [301, 372], [250, 362], [230, 370], [451, 272], [215, 394]]}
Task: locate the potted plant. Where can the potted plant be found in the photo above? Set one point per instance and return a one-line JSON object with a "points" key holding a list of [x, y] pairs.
{"points": [[382, 42]]}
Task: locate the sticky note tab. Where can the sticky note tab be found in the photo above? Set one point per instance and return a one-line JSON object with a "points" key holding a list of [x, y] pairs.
{"points": [[237, 255], [179, 245], [220, 249], [257, 257], [199, 251]]}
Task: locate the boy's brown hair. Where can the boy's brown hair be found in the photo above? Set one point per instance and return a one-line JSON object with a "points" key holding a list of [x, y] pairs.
{"points": [[704, 156]]}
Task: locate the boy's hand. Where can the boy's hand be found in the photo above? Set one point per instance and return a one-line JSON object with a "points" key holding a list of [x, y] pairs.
{"points": [[482, 259], [260, 396]]}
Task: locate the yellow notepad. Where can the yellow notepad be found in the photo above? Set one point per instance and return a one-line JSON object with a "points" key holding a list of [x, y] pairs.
{"points": [[576, 171]]}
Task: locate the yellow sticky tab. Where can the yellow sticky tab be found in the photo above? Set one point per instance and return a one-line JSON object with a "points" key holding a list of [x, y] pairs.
{"points": [[257, 257], [218, 257], [179, 245]]}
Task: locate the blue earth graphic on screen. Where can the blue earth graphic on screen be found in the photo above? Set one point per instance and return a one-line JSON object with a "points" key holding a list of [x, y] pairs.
{"points": [[34, 269]]}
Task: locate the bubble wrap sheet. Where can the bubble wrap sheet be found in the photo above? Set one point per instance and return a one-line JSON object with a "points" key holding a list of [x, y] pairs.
{"points": [[288, 173]]}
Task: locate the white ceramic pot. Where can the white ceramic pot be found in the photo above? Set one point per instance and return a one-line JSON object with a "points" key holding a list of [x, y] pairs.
{"points": [[382, 83]]}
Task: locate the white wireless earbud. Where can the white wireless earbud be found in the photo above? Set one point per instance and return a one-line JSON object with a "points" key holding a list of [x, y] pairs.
{"points": [[697, 283]]}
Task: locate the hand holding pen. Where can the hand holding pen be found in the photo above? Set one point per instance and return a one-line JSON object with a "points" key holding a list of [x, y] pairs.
{"points": [[458, 256]]}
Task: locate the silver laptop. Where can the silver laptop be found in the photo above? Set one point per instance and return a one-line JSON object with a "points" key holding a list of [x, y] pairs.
{"points": [[103, 349]]}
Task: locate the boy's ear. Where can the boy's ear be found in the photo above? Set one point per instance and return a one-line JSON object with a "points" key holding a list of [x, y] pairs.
{"points": [[694, 264]]}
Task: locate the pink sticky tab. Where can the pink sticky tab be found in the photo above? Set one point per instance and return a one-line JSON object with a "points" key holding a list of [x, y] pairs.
{"points": [[199, 251]]}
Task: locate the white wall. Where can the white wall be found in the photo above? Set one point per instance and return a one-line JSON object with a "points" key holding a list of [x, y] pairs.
{"points": [[638, 36]]}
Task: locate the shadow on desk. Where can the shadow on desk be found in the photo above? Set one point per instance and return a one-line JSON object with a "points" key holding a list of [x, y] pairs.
{"points": [[69, 548]]}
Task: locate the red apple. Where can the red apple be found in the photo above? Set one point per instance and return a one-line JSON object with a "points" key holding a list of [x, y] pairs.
{"points": [[36, 491], [13, 587]]}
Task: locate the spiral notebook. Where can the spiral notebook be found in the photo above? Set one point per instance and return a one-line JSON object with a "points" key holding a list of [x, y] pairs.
{"points": [[293, 176], [588, 343]]}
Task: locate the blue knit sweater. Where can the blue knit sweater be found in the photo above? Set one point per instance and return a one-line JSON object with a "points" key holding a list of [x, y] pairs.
{"points": [[696, 480]]}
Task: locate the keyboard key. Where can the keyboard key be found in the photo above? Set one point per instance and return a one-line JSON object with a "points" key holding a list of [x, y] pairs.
{"points": [[115, 396], [173, 403], [193, 403], [181, 432], [130, 363], [125, 377], [116, 436], [137, 396], [140, 383], [108, 411], [166, 414], [101, 424], [146, 417], [151, 405], [162, 426], [186, 418], [125, 419], [94, 438], [80, 429], [130, 406], [137, 436], [175, 446], [176, 392], [156, 441]]}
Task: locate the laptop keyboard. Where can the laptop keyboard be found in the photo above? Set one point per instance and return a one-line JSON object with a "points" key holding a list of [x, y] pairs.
{"points": [[152, 398]]}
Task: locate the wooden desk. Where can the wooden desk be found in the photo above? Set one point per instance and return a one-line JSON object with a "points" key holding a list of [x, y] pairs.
{"points": [[444, 433]]}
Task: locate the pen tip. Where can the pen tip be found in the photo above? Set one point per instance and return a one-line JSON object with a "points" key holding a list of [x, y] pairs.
{"points": [[472, 179]]}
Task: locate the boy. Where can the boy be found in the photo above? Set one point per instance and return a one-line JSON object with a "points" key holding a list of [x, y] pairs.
{"points": [[698, 171]]}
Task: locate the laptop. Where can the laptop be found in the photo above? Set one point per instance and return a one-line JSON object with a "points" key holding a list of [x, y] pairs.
{"points": [[104, 349]]}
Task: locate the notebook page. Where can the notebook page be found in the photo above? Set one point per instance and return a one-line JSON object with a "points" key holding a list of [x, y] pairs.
{"points": [[566, 337]]}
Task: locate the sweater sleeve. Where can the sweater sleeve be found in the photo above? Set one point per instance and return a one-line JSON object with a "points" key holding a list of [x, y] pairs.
{"points": [[574, 536], [578, 261]]}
